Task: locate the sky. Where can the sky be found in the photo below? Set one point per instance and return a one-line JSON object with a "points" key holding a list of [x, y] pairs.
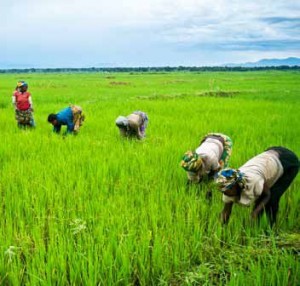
{"points": [[131, 33]]}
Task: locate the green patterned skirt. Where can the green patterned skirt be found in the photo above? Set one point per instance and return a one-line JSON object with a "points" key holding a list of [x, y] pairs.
{"points": [[24, 117]]}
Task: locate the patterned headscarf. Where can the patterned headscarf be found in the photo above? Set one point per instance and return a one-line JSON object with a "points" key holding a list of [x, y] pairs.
{"points": [[22, 83], [227, 178], [191, 161]]}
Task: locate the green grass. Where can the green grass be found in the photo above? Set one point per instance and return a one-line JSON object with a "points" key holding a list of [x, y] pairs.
{"points": [[95, 209]]}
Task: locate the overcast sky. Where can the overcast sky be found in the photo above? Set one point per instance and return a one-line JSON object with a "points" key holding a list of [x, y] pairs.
{"points": [[101, 33]]}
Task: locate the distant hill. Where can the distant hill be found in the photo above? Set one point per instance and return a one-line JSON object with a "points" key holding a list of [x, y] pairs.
{"points": [[269, 63]]}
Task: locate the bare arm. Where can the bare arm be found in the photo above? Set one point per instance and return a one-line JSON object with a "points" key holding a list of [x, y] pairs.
{"points": [[30, 102], [226, 212], [263, 200], [14, 101]]}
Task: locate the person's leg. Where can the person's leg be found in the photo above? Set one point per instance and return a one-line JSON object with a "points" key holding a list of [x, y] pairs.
{"points": [[278, 190], [23, 119], [290, 164], [18, 118]]}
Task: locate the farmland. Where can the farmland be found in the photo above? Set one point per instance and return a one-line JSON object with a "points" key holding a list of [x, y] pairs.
{"points": [[96, 209]]}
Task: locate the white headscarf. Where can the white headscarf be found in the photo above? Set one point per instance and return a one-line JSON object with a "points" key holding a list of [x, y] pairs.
{"points": [[122, 121]]}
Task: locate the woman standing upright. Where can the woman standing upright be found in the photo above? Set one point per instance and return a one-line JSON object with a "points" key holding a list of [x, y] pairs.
{"points": [[22, 102]]}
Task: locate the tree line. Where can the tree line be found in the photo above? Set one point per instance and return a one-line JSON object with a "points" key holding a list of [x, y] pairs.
{"points": [[149, 69]]}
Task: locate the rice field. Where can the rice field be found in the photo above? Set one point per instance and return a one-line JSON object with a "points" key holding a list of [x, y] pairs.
{"points": [[96, 209]]}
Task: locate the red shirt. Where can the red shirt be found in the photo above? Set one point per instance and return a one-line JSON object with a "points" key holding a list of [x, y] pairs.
{"points": [[22, 100]]}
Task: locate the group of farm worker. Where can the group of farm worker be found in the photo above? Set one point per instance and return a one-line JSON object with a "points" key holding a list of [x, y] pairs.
{"points": [[260, 181], [133, 125], [71, 116]]}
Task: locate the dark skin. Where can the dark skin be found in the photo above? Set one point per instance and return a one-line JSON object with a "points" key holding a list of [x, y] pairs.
{"points": [[23, 88], [259, 206], [261, 202], [54, 122]]}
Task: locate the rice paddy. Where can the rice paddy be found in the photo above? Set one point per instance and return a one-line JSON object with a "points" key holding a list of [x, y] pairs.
{"points": [[96, 209]]}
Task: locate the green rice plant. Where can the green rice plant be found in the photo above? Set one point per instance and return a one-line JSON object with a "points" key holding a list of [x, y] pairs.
{"points": [[97, 209]]}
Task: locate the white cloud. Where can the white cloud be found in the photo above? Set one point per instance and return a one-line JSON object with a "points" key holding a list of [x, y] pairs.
{"points": [[136, 31]]}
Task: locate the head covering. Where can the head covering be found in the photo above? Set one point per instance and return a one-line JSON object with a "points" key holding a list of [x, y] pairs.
{"points": [[227, 178], [22, 83], [122, 121], [191, 161]]}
